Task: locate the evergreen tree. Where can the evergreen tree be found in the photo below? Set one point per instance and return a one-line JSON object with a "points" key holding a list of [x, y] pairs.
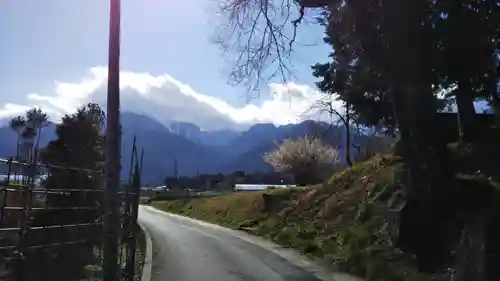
{"points": [[17, 125], [75, 158]]}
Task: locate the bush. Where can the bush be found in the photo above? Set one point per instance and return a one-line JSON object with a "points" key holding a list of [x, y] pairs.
{"points": [[303, 158]]}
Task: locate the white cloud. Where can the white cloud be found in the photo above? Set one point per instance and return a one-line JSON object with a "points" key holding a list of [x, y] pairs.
{"points": [[167, 99]]}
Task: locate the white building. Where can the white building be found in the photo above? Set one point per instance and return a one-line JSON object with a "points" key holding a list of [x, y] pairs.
{"points": [[256, 187]]}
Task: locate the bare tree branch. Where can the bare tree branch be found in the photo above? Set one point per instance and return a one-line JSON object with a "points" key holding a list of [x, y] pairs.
{"points": [[262, 34], [326, 104]]}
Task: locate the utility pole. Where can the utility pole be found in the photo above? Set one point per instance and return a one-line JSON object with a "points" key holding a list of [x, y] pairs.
{"points": [[176, 174], [112, 167], [176, 171]]}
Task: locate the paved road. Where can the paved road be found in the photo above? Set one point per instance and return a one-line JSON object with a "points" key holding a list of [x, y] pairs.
{"points": [[190, 250]]}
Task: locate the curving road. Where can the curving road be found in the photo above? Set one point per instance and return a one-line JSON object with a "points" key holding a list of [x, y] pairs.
{"points": [[189, 250]]}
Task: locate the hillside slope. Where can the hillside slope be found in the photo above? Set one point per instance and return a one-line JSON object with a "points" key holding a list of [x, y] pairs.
{"points": [[346, 221]]}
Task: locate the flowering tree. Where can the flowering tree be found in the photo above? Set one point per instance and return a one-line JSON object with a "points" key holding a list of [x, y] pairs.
{"points": [[304, 158]]}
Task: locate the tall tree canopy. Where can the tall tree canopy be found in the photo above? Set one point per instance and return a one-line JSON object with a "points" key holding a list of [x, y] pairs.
{"points": [[37, 119], [393, 61], [17, 125], [75, 158]]}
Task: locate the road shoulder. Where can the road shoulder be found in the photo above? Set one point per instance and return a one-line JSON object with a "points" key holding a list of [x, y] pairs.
{"points": [[316, 267], [148, 259]]}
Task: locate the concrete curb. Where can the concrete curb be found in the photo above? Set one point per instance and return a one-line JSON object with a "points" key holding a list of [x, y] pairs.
{"points": [[148, 259]]}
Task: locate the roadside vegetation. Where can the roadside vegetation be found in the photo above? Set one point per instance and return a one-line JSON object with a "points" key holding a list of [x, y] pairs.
{"points": [[61, 225], [346, 220], [353, 219], [413, 70], [78, 145]]}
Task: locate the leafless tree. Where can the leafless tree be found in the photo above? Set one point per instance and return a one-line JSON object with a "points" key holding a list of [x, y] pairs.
{"points": [[343, 117], [262, 34]]}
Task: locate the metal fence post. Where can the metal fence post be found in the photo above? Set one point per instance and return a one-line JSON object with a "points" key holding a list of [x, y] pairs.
{"points": [[133, 204], [24, 218], [5, 192]]}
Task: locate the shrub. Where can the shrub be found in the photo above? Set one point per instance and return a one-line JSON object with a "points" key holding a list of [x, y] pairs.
{"points": [[303, 158]]}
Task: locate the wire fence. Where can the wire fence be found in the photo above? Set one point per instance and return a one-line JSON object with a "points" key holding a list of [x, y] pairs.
{"points": [[51, 223]]}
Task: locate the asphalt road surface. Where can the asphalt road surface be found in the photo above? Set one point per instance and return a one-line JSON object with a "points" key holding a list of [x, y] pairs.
{"points": [[189, 250]]}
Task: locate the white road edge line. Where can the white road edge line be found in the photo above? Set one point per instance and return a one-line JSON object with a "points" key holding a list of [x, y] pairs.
{"points": [[148, 259]]}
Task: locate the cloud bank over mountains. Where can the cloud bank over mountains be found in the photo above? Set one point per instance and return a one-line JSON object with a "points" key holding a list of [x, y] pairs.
{"points": [[167, 99]]}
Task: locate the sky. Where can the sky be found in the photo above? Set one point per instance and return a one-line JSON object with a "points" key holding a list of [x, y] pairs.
{"points": [[53, 55]]}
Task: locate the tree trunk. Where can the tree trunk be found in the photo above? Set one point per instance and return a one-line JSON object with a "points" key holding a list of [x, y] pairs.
{"points": [[492, 244], [37, 146], [471, 250], [410, 78], [303, 177], [495, 102], [425, 158], [23, 151], [348, 158], [466, 111], [18, 145]]}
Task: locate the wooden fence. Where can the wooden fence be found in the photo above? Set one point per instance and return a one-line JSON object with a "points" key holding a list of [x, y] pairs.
{"points": [[51, 223]]}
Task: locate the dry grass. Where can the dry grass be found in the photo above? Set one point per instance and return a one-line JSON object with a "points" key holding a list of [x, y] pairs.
{"points": [[229, 210]]}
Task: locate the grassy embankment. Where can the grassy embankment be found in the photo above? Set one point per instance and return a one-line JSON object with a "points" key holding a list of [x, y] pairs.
{"points": [[346, 220]]}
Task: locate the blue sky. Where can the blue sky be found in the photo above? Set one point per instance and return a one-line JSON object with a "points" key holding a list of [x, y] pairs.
{"points": [[50, 46]]}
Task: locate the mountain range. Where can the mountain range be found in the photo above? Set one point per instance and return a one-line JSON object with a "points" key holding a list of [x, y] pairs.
{"points": [[190, 150]]}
